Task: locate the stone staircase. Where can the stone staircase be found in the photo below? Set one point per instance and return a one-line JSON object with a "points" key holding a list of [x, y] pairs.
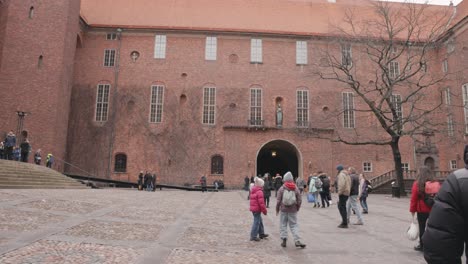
{"points": [[20, 175]]}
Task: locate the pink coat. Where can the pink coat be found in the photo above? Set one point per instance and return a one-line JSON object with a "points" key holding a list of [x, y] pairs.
{"points": [[257, 203]]}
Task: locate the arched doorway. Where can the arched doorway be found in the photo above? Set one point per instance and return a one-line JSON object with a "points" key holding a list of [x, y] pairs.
{"points": [[278, 156], [430, 163]]}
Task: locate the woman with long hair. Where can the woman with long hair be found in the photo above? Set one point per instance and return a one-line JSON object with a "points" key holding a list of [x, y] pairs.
{"points": [[417, 204]]}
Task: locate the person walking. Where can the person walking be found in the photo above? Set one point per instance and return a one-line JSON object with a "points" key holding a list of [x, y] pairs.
{"points": [[257, 207], [37, 157], [325, 192], [49, 160], [446, 234], [353, 197], [9, 144], [153, 178], [203, 183], [289, 202], [267, 190], [417, 204], [278, 183], [246, 183], [363, 193], [140, 181], [343, 183], [25, 149], [300, 183]]}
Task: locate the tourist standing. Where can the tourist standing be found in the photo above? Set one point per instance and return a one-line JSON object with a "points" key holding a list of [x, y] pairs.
{"points": [[325, 192], [300, 183], [38, 157], [314, 188], [363, 193], [25, 149], [289, 202], [203, 183], [246, 183], [343, 183], [278, 183], [417, 204], [49, 160], [267, 190], [140, 181], [353, 197], [2, 150], [257, 207], [153, 178], [10, 143]]}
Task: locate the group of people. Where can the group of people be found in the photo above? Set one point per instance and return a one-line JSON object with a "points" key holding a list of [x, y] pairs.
{"points": [[10, 150], [147, 182]]}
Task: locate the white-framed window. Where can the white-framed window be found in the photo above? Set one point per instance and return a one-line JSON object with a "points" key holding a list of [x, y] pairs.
{"points": [[396, 101], [405, 166], [348, 110], [450, 127], [346, 56], [394, 69], [448, 97], [465, 105], [301, 52], [156, 105], [256, 50], [102, 102], [109, 58], [302, 108], [209, 105], [445, 66], [211, 48], [367, 166], [256, 107], [453, 165], [160, 47], [111, 36]]}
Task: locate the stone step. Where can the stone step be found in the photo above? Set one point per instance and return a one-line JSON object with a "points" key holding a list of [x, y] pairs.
{"points": [[46, 181], [41, 187]]}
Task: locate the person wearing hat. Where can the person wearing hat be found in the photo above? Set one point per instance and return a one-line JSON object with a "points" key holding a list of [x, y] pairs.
{"points": [[289, 202], [257, 207], [344, 189]]}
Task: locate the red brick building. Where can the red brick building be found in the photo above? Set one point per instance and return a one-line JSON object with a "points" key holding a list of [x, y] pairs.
{"points": [[191, 88]]}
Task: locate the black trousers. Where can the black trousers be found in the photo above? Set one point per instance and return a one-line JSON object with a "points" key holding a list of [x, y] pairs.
{"points": [[324, 197], [342, 208], [422, 219], [267, 200]]}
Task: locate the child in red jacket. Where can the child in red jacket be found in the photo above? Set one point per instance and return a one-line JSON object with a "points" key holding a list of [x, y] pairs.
{"points": [[257, 207]]}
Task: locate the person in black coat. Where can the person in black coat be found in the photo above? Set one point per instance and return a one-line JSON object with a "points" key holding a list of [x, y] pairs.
{"points": [[446, 235]]}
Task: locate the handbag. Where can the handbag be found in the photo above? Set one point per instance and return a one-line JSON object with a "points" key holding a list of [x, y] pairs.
{"points": [[311, 198], [413, 230]]}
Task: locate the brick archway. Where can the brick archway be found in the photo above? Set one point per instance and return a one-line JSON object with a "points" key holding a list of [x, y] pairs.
{"points": [[278, 156]]}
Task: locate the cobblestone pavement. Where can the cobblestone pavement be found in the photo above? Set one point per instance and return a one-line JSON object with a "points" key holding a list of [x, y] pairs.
{"points": [[128, 226]]}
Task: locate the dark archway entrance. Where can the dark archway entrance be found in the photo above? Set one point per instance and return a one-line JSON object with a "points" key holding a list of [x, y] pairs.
{"points": [[430, 163], [278, 156]]}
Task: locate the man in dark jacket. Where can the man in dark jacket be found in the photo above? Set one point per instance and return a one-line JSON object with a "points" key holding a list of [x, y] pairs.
{"points": [[446, 235], [10, 143]]}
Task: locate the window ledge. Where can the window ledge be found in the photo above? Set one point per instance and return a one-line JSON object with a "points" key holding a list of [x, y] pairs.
{"points": [[256, 62], [120, 172]]}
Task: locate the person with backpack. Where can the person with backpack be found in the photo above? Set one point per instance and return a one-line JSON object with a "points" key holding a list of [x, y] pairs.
{"points": [[325, 192], [353, 197], [419, 197], [363, 193], [446, 235], [289, 202], [315, 186], [257, 207]]}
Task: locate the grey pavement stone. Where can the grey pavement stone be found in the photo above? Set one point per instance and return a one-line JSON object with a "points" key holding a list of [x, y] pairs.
{"points": [[128, 226]]}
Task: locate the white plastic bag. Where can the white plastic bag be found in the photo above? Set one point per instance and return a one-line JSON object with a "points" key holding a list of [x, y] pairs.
{"points": [[413, 230]]}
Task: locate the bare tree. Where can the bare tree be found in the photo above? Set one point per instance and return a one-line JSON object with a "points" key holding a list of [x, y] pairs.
{"points": [[382, 60]]}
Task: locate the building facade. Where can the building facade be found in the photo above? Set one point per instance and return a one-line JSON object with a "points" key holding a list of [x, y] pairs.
{"points": [[200, 90]]}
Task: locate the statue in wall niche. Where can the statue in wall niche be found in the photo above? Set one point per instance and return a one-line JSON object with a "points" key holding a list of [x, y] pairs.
{"points": [[279, 116]]}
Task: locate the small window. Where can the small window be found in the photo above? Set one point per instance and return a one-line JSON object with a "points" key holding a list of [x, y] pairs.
{"points": [[465, 105], [256, 50], [448, 97], [394, 70], [445, 66], [450, 127], [396, 101], [217, 165], [346, 56], [31, 12], [348, 110], [367, 167], [111, 36], [210, 48], [120, 163], [109, 58], [39, 61], [405, 166], [102, 102], [160, 47], [453, 165], [301, 52]]}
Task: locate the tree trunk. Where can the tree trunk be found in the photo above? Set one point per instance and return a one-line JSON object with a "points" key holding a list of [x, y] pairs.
{"points": [[397, 162]]}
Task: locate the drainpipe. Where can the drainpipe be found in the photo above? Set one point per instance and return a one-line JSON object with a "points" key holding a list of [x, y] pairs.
{"points": [[114, 103]]}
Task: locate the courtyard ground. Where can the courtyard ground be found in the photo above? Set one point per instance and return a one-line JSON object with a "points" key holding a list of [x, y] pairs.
{"points": [[128, 226]]}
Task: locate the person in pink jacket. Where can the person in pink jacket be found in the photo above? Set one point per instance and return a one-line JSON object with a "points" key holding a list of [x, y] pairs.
{"points": [[257, 207]]}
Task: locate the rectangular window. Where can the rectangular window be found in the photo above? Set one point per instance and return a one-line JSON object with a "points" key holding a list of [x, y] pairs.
{"points": [[111, 36], [405, 166], [156, 107], [367, 167], [445, 66], [303, 108], [210, 48], [109, 58], [256, 50], [465, 105], [396, 101], [450, 128], [102, 102], [346, 56], [453, 165], [394, 69], [209, 104], [301, 52], [348, 110], [256, 107], [448, 97], [160, 47]]}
